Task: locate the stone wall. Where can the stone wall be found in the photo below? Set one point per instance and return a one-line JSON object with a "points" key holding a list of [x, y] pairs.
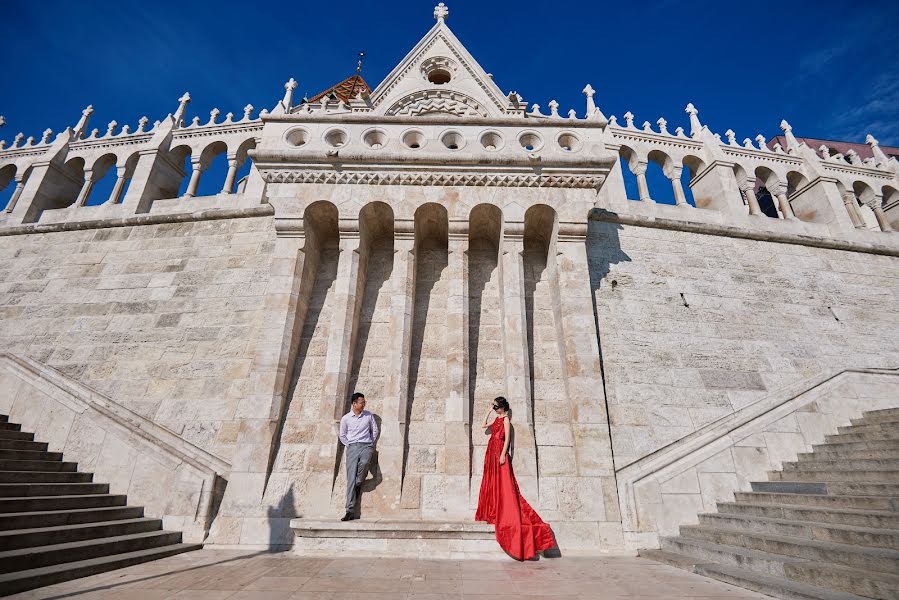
{"points": [[161, 318], [694, 327]]}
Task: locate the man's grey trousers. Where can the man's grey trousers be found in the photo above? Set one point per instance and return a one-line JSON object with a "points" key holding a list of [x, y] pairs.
{"points": [[357, 458]]}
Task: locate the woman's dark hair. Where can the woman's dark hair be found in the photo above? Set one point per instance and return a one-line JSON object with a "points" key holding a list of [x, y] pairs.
{"points": [[501, 402]]}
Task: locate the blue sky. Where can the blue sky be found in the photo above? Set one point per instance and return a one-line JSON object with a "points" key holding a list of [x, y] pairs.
{"points": [[830, 68]]}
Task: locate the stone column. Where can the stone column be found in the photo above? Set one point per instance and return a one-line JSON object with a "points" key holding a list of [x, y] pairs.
{"points": [[877, 206], [86, 188], [785, 208], [121, 178], [396, 385], [457, 416], [751, 199], [642, 186], [233, 166], [515, 348], [20, 185], [679, 198], [852, 208], [194, 182]]}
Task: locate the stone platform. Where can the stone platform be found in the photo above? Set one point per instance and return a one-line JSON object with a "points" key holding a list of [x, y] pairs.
{"points": [[241, 575], [391, 537]]}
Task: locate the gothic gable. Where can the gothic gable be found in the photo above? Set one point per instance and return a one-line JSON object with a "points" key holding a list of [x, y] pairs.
{"points": [[439, 76]]}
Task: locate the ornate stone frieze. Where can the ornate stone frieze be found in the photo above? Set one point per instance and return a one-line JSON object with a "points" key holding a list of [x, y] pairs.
{"points": [[444, 102], [433, 178]]}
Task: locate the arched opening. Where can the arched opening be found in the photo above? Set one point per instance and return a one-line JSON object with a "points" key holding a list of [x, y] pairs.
{"points": [[214, 169], [891, 205], [7, 185], [693, 167], [628, 162], [103, 175], [175, 185], [747, 188], [657, 177], [766, 191], [865, 194], [244, 165]]}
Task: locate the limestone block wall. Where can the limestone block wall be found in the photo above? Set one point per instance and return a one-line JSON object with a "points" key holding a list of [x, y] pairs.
{"points": [[694, 327], [161, 318]]}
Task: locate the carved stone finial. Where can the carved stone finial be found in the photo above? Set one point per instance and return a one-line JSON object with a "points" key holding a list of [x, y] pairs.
{"points": [[289, 87], [441, 12], [142, 124], [45, 138], [731, 137], [613, 121], [663, 126], [29, 141], [762, 142], [213, 116], [879, 155], [572, 114], [229, 118], [110, 129], [535, 111], [853, 157], [647, 127], [248, 112], [629, 120], [747, 143], [94, 134], [195, 122], [81, 127], [695, 125], [679, 132], [18, 139], [553, 108], [778, 148], [182, 108], [126, 129], [824, 151]]}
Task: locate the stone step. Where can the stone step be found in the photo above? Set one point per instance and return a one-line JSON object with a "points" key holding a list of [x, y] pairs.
{"points": [[21, 581], [45, 477], [884, 519], [55, 518], [19, 490], [23, 445], [830, 463], [824, 532], [842, 438], [864, 445], [833, 488], [37, 465], [849, 455], [875, 420], [69, 502], [43, 556], [859, 557], [7, 426], [836, 475], [6, 436], [775, 586], [13, 539], [25, 454], [883, 412], [819, 500], [875, 429]]}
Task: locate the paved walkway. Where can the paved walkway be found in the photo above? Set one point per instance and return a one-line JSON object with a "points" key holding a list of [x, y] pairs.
{"points": [[221, 574]]}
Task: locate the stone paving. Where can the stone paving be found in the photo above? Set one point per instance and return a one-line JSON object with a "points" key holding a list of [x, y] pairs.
{"points": [[241, 575]]}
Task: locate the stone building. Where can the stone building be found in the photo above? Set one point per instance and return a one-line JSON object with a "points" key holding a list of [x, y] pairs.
{"points": [[436, 242]]}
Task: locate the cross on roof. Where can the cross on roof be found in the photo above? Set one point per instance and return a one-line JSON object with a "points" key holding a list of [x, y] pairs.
{"points": [[441, 12]]}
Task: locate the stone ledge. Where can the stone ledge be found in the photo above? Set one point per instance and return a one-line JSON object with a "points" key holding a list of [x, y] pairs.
{"points": [[599, 214], [392, 529]]}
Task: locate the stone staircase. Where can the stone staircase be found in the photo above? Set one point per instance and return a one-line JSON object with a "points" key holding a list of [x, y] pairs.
{"points": [[56, 524], [826, 527]]}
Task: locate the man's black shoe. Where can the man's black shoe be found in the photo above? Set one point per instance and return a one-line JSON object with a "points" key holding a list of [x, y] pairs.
{"points": [[348, 517]]}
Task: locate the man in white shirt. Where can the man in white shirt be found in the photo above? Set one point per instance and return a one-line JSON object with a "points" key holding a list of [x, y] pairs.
{"points": [[358, 432]]}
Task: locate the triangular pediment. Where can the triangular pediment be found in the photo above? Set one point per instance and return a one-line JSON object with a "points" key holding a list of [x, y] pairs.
{"points": [[439, 77]]}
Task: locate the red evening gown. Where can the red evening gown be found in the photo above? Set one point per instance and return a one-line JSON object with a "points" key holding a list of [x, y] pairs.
{"points": [[519, 529]]}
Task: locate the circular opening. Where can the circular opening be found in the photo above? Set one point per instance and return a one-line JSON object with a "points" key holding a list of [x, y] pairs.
{"points": [[375, 139], [336, 138], [453, 140], [297, 137], [491, 140], [439, 76], [569, 142], [414, 139], [530, 141]]}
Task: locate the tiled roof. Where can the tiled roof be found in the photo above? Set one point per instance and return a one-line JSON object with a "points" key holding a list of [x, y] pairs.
{"points": [[346, 89]]}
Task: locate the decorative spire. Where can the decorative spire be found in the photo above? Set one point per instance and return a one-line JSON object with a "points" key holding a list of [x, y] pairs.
{"points": [[18, 139], [663, 126], [792, 142], [592, 111], [553, 108], [629, 120], [182, 108], [45, 139], [81, 127], [289, 87], [110, 129], [695, 125], [441, 12], [731, 137], [142, 124], [824, 151], [762, 142], [875, 148], [213, 116], [248, 112]]}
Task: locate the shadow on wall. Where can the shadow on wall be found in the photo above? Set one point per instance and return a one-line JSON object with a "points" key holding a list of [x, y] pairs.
{"points": [[279, 518]]}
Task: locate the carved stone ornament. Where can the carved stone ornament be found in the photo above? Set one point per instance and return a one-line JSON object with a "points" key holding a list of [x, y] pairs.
{"points": [[528, 180], [442, 102]]}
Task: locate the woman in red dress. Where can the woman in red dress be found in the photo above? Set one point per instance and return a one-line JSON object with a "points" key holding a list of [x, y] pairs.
{"points": [[519, 529]]}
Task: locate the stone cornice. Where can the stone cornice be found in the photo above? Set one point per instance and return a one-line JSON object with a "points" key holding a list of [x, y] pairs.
{"points": [[655, 138], [219, 129], [371, 119], [431, 178], [111, 142], [264, 210], [786, 159], [856, 170], [13, 153], [598, 214]]}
